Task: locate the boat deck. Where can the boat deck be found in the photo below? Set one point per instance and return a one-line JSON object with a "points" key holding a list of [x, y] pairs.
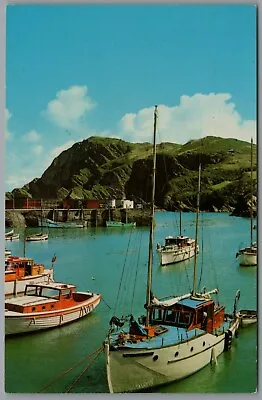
{"points": [[171, 335]]}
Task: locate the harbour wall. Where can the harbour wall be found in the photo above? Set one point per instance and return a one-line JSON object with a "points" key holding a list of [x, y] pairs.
{"points": [[92, 217]]}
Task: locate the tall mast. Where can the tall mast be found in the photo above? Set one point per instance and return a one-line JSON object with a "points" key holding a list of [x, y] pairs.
{"points": [[180, 223], [196, 234], [251, 207], [151, 238]]}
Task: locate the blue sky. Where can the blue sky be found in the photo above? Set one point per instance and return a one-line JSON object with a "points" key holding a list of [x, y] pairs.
{"points": [[83, 70]]}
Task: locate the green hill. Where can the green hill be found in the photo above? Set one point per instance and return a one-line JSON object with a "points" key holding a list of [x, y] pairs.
{"points": [[99, 168]]}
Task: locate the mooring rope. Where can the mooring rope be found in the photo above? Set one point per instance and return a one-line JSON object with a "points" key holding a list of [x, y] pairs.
{"points": [[84, 370], [70, 369]]}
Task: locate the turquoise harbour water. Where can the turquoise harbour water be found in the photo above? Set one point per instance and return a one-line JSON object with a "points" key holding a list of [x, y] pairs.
{"points": [[97, 259]]}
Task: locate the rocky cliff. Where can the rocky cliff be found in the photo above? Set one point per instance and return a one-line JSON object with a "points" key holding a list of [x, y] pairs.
{"points": [[99, 168]]}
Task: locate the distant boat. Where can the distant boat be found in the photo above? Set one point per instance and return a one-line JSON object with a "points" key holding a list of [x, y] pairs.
{"points": [[247, 317], [176, 249], [7, 253], [37, 237], [49, 223], [178, 336], [19, 271], [119, 224], [12, 236], [45, 306], [248, 255], [9, 233]]}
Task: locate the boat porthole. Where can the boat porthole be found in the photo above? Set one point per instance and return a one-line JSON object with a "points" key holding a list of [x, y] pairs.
{"points": [[155, 357], [52, 305], [192, 348], [176, 353], [43, 308], [204, 343], [33, 308]]}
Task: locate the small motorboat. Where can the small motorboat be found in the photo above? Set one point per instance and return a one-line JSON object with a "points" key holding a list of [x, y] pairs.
{"points": [[247, 317], [47, 306], [7, 253], [37, 237], [12, 236]]}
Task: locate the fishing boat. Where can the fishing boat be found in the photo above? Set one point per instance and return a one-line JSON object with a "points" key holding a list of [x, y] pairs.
{"points": [[37, 237], [119, 224], [45, 306], [178, 336], [247, 317], [49, 223], [248, 255], [12, 236], [20, 271]]}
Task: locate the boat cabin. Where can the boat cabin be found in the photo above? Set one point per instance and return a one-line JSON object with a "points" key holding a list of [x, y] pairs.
{"points": [[18, 267], [179, 241], [189, 313]]}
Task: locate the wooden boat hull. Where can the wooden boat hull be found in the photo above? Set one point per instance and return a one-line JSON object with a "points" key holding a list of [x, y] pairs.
{"points": [[119, 224], [135, 369], [33, 322], [176, 255], [36, 238], [19, 285], [12, 237]]}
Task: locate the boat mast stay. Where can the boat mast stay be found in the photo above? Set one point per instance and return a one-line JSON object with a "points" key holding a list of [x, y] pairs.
{"points": [[151, 239], [251, 205], [196, 232]]}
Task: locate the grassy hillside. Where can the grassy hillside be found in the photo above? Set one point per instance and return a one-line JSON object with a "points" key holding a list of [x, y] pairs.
{"points": [[112, 168]]}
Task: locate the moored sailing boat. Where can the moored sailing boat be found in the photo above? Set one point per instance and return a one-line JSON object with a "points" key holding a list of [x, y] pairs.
{"points": [[248, 255], [178, 336]]}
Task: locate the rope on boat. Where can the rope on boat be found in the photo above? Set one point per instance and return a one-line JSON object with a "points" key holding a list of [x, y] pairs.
{"points": [[99, 350], [106, 304], [70, 369]]}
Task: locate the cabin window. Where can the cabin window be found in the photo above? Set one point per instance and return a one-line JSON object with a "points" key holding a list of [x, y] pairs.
{"points": [[192, 348], [176, 353], [50, 293], [33, 308], [204, 343], [52, 305], [66, 292]]}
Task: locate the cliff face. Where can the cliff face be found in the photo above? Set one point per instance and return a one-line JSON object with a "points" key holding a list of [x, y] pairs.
{"points": [[100, 168]]}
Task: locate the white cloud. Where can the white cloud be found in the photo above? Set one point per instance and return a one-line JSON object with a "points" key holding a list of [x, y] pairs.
{"points": [[37, 150], [8, 115], [196, 116], [32, 136], [70, 107]]}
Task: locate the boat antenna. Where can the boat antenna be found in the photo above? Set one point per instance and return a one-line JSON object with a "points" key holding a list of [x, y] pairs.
{"points": [[196, 234], [150, 250], [251, 205]]}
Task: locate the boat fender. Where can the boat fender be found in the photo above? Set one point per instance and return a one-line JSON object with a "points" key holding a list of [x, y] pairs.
{"points": [[228, 340]]}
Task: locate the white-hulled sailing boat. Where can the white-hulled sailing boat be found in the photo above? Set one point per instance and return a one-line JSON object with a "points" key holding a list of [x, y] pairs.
{"points": [[176, 248], [177, 337], [248, 255]]}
